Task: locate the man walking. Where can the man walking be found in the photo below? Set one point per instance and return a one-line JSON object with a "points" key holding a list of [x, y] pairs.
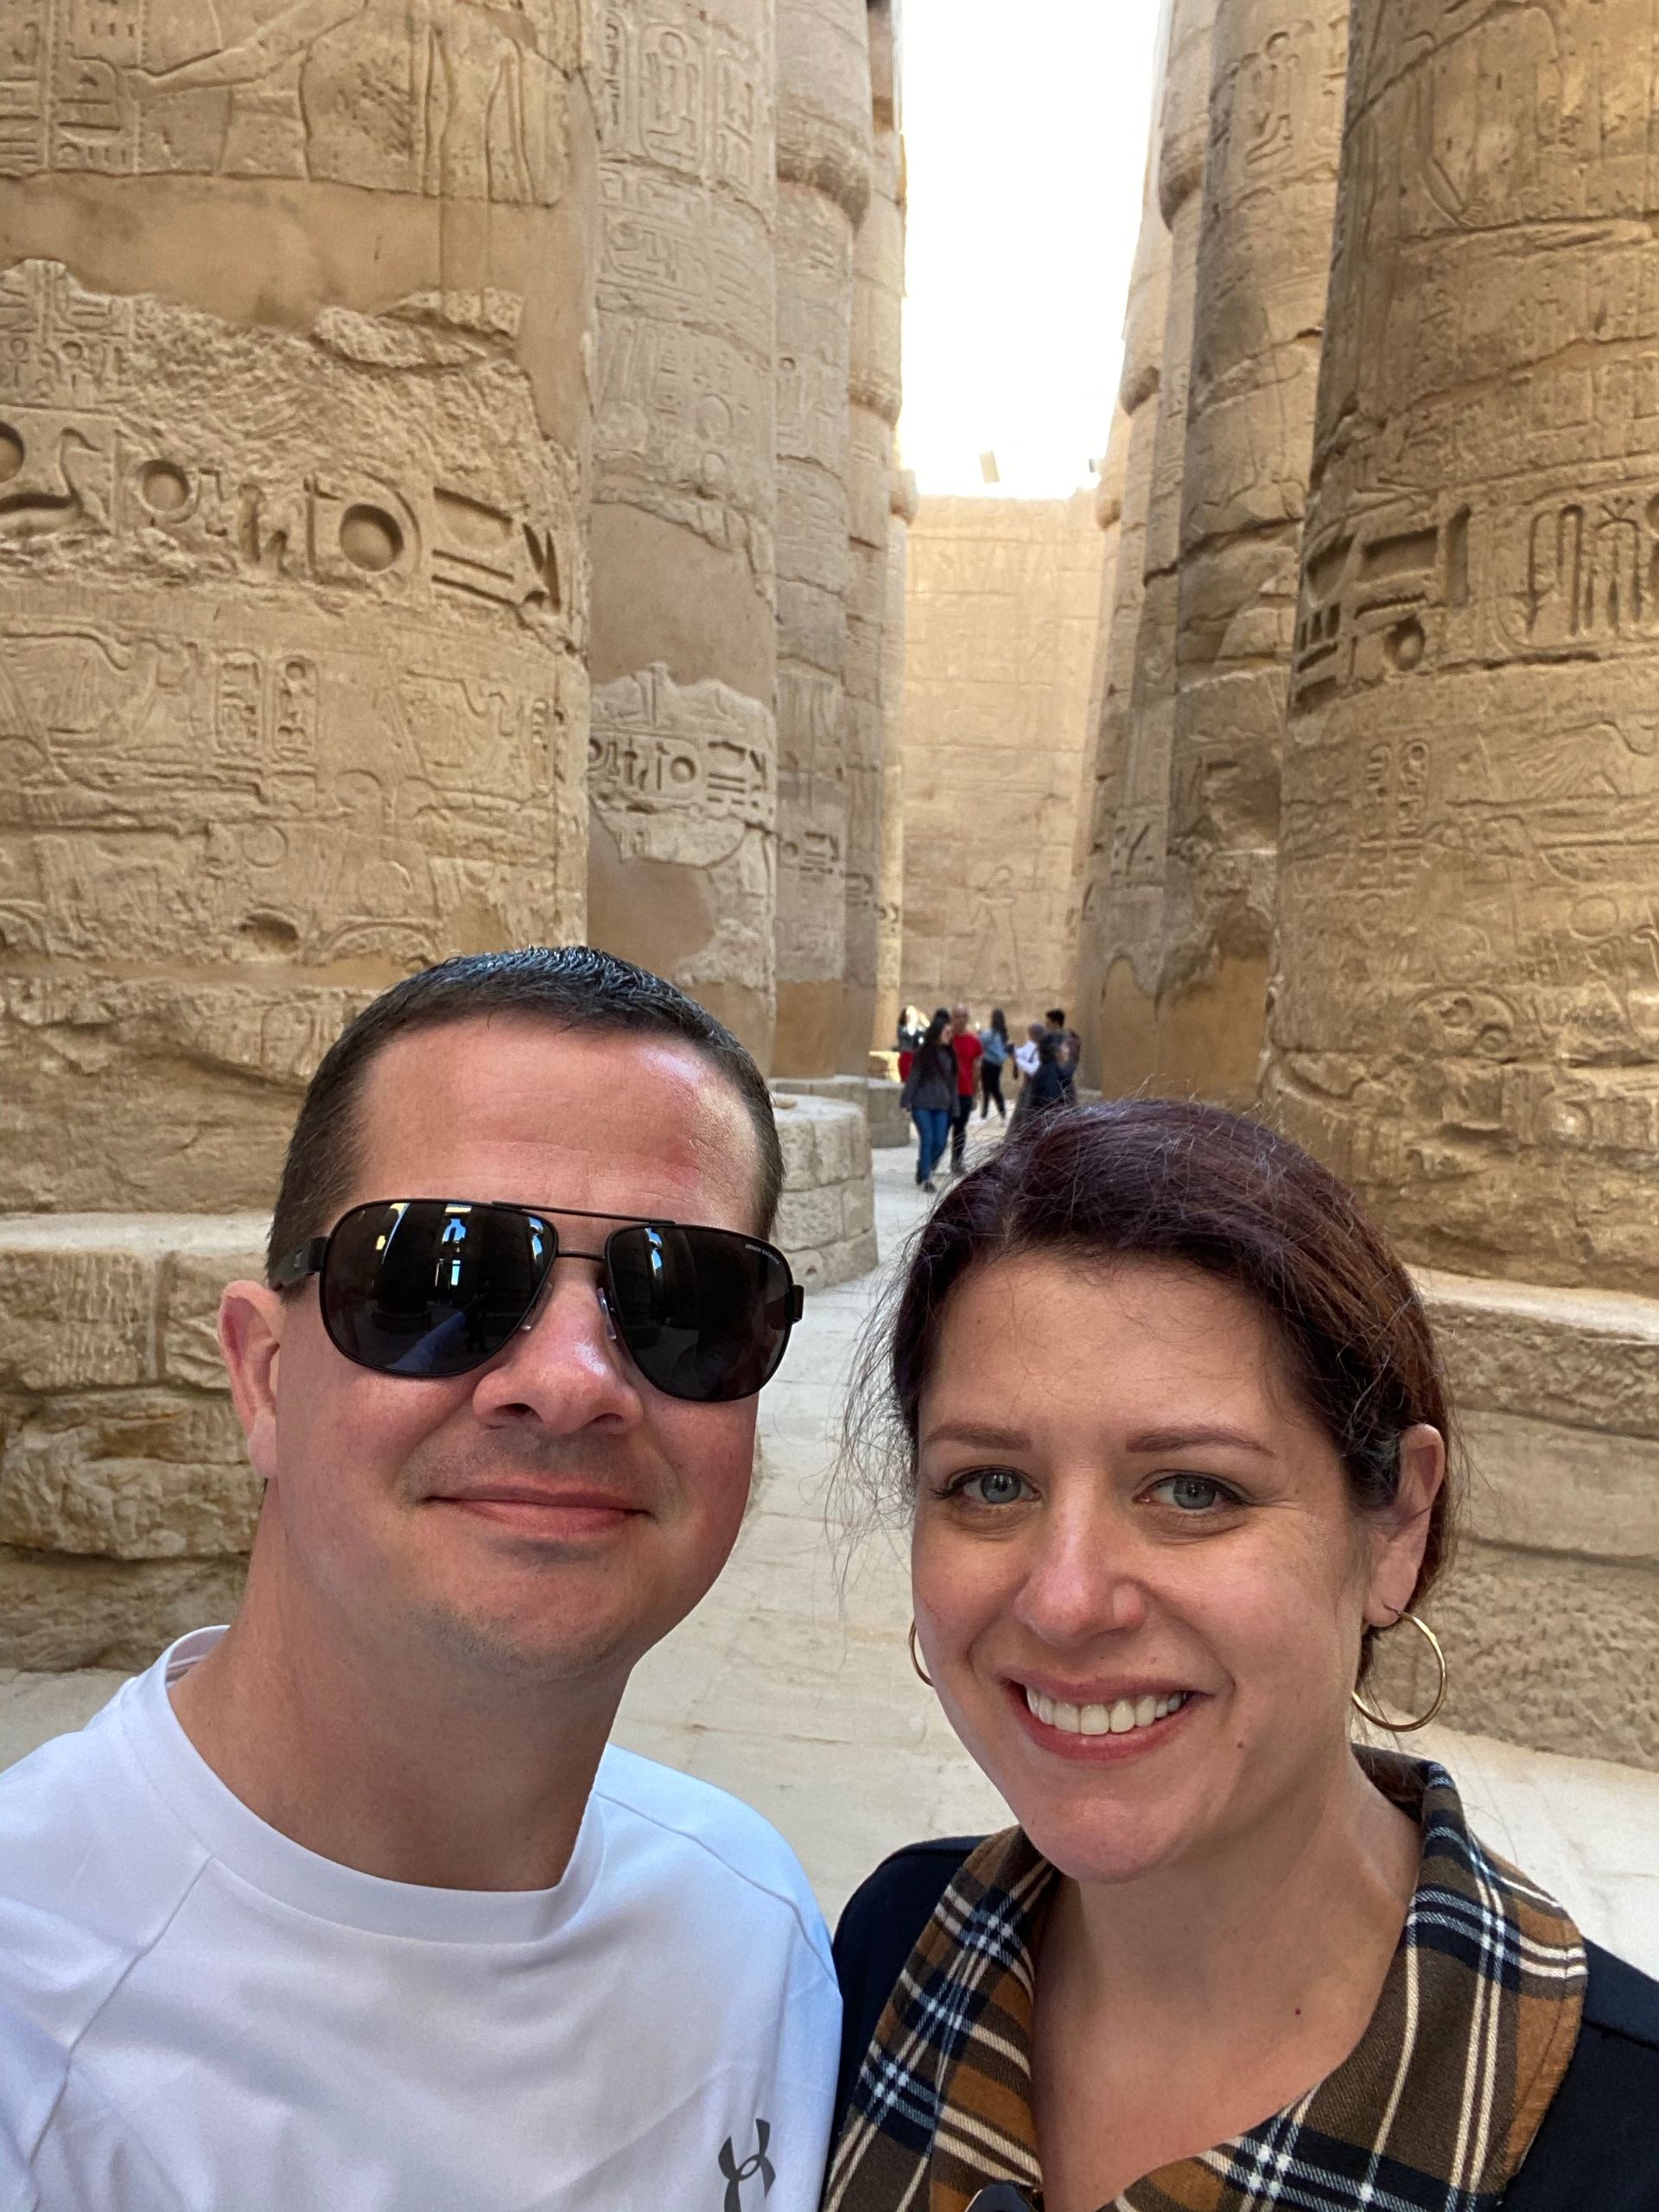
{"points": [[967, 1047], [350, 1904], [1067, 1041]]}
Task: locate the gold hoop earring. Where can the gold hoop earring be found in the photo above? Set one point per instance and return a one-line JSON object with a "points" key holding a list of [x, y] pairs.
{"points": [[915, 1658], [1406, 1727]]}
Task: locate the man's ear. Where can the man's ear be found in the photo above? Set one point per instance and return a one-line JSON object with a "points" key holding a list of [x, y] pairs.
{"points": [[250, 1319], [1401, 1531]]}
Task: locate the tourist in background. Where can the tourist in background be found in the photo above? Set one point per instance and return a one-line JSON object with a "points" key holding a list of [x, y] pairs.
{"points": [[1051, 1084], [930, 1096], [967, 1047], [1170, 1426], [1069, 1043], [1026, 1060], [995, 1052]]}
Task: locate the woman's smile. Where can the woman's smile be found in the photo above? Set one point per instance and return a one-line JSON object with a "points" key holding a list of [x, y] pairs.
{"points": [[1106, 1728]]}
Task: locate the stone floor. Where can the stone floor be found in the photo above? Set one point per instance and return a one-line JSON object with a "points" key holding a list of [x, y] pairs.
{"points": [[792, 1686]]}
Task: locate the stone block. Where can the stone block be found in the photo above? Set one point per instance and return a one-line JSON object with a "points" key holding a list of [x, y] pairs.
{"points": [[58, 1611], [74, 1318], [1543, 1648], [1578, 1357], [153, 1474], [809, 1218]]}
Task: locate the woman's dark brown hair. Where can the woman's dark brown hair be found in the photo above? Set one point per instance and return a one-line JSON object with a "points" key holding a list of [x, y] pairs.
{"points": [[1169, 1179]]}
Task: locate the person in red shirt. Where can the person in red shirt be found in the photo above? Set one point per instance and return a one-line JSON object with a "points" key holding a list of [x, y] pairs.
{"points": [[967, 1048]]}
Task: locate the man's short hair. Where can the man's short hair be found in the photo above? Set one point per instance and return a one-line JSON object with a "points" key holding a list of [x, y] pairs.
{"points": [[569, 987], [1056, 1015]]}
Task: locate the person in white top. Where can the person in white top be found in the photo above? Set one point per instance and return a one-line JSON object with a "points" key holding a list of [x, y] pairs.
{"points": [[350, 1904]]}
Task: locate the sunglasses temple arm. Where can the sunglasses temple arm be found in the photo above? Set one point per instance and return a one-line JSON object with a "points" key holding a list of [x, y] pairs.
{"points": [[306, 1260]]}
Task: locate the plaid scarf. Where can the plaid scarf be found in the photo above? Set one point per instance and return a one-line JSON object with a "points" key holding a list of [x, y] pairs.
{"points": [[1433, 2112]]}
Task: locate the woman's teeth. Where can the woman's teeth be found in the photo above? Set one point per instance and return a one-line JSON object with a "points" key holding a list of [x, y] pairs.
{"points": [[1104, 1719]]}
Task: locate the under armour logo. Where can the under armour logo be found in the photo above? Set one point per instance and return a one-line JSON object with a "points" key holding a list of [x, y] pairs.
{"points": [[756, 2163]]}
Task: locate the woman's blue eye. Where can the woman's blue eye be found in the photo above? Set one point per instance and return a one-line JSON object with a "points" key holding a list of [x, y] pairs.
{"points": [[993, 1486], [1195, 1493]]}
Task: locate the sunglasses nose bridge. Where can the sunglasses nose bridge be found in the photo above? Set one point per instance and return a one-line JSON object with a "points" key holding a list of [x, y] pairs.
{"points": [[544, 1290]]}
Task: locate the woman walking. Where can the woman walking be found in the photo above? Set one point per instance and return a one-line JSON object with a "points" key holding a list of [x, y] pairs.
{"points": [[994, 1051], [930, 1096]]}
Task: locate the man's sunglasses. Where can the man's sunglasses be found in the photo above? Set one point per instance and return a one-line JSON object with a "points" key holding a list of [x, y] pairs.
{"points": [[434, 1287]]}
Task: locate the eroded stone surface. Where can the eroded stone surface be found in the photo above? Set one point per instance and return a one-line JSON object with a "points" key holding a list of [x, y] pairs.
{"points": [[890, 892], [826, 1223], [1131, 914], [681, 762], [874, 393], [1264, 252], [824, 173], [1469, 763]]}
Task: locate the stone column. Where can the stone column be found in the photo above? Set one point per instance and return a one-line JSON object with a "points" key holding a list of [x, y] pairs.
{"points": [[683, 758], [1132, 912], [292, 417], [1264, 256], [874, 393], [1465, 1020], [890, 897], [1144, 315], [823, 186], [1083, 998]]}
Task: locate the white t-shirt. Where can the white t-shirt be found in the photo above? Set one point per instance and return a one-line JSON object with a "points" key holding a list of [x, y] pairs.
{"points": [[1026, 1055], [197, 2015]]}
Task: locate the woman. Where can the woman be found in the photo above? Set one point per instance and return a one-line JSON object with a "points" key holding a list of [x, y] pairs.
{"points": [[995, 1051], [1173, 1431], [930, 1096], [1050, 1084]]}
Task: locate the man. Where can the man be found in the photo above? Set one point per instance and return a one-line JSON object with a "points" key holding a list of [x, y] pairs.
{"points": [[350, 1904], [1067, 1040], [965, 1044]]}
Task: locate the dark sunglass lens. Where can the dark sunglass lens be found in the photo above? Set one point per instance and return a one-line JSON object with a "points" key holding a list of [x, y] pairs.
{"points": [[421, 1289], [704, 1313]]}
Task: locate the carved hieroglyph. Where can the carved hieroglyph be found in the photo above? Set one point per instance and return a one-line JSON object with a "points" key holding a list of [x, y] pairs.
{"points": [[823, 185], [291, 697], [890, 894], [1003, 600], [1264, 253], [681, 870], [877, 294], [295, 314], [1466, 1021]]}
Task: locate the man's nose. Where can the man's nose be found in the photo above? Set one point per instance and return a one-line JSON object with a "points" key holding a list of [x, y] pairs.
{"points": [[565, 1368], [1082, 1581]]}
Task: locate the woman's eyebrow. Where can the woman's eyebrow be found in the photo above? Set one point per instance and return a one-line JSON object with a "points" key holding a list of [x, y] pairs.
{"points": [[982, 1436], [1151, 1441]]}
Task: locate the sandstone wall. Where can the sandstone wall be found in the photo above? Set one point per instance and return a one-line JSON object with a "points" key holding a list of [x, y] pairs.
{"points": [[294, 412], [682, 763], [1000, 610], [1264, 252], [823, 187], [874, 394], [1132, 911]]}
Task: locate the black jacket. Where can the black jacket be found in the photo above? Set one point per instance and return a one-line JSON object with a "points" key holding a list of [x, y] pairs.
{"points": [[1597, 2151]]}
